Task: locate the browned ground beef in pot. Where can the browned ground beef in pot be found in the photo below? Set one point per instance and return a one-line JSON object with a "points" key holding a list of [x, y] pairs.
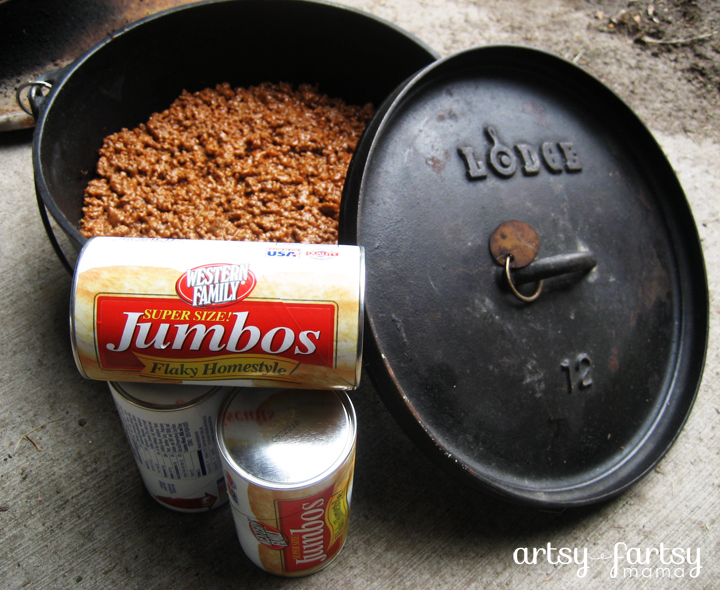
{"points": [[264, 163]]}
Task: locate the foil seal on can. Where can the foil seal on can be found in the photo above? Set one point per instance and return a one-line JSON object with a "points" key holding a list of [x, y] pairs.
{"points": [[246, 314], [171, 430], [289, 459]]}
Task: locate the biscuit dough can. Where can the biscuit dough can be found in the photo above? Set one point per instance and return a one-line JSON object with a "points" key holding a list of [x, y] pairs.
{"points": [[171, 430], [250, 314], [289, 459]]}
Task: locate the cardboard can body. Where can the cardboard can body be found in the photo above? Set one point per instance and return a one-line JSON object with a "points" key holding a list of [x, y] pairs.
{"points": [[171, 432], [246, 314], [288, 459]]}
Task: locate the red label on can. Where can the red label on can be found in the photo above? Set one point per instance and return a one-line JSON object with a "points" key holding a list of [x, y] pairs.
{"points": [[167, 338], [313, 528]]}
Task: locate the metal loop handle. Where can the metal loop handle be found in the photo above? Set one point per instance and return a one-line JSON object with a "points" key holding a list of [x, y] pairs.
{"points": [[22, 87], [520, 296]]}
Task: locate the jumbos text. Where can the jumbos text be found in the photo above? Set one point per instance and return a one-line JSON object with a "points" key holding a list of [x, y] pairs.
{"points": [[167, 338]]}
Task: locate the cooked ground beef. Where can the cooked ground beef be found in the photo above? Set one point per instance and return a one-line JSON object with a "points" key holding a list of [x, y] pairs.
{"points": [[264, 163]]}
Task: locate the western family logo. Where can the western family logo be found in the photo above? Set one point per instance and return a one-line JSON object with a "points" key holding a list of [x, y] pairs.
{"points": [[659, 562]]}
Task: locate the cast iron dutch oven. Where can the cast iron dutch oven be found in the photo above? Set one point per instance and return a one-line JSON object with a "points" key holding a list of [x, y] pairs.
{"points": [[536, 299], [142, 68]]}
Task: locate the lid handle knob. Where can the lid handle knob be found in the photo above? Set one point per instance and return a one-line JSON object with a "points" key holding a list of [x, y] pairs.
{"points": [[554, 266], [514, 245]]}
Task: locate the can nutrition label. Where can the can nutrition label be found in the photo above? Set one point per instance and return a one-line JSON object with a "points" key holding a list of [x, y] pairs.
{"points": [[173, 450]]}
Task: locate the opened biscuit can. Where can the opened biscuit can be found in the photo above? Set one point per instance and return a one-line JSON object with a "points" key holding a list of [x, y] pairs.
{"points": [[288, 459], [224, 313], [171, 430]]}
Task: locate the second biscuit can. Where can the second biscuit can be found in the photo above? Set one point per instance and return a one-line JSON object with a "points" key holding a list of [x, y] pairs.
{"points": [[171, 430], [288, 458]]}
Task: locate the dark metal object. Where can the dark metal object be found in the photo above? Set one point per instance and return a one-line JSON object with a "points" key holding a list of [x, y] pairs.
{"points": [[142, 68], [575, 397], [43, 35], [563, 264], [31, 87], [514, 244], [554, 266]]}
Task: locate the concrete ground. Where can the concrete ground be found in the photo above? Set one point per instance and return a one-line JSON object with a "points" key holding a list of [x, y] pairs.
{"points": [[74, 513]]}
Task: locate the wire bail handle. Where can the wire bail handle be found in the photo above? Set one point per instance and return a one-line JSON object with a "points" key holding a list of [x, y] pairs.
{"points": [[31, 84]]}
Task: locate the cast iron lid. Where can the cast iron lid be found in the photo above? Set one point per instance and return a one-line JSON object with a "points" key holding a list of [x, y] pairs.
{"points": [[566, 392]]}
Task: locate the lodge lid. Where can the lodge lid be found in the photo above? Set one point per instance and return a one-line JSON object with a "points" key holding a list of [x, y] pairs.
{"points": [[559, 393]]}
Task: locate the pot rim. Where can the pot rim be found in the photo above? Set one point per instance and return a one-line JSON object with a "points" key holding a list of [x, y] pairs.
{"points": [[42, 105]]}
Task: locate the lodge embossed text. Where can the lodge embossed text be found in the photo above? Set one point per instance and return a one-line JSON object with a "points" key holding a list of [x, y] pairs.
{"points": [[505, 160]]}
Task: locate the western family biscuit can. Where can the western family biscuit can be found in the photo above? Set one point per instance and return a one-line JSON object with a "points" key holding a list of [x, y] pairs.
{"points": [[288, 459], [171, 430], [246, 314]]}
